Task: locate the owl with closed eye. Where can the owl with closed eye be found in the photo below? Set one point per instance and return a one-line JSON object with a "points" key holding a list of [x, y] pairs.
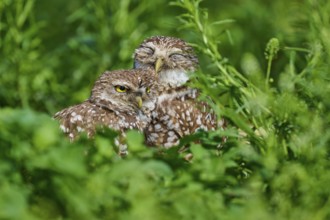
{"points": [[120, 100], [172, 58], [178, 112]]}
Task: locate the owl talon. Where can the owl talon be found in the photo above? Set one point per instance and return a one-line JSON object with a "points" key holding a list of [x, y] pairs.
{"points": [[188, 157], [123, 153]]}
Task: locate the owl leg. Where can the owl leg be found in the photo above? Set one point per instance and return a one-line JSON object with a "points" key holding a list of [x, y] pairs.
{"points": [[120, 142], [222, 123], [184, 150]]}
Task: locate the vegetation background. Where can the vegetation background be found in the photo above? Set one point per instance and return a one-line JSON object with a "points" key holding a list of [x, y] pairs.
{"points": [[266, 65]]}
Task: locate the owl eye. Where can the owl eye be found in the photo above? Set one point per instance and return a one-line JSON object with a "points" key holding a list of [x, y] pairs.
{"points": [[176, 56], [121, 88], [149, 50], [148, 90]]}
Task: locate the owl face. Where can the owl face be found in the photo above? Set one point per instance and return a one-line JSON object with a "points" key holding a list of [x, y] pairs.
{"points": [[128, 91], [172, 58]]}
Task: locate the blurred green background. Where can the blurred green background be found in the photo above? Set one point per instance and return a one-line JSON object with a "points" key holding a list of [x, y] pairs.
{"points": [[52, 51]]}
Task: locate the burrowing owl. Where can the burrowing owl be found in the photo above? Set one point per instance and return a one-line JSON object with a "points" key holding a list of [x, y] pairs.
{"points": [[178, 113], [119, 100], [175, 118], [172, 58]]}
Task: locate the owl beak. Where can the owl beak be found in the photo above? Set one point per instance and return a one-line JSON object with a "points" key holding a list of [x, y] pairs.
{"points": [[158, 64], [139, 101]]}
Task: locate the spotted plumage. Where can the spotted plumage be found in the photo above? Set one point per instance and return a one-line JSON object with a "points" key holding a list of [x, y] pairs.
{"points": [[119, 100], [172, 58], [177, 113], [174, 119]]}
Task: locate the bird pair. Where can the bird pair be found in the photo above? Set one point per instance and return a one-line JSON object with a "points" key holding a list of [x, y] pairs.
{"points": [[151, 98]]}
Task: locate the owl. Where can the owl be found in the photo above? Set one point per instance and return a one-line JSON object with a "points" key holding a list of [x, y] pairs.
{"points": [[173, 119], [178, 112], [119, 100], [172, 58]]}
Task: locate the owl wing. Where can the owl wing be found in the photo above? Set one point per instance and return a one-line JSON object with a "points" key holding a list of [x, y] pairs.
{"points": [[85, 117], [174, 119]]}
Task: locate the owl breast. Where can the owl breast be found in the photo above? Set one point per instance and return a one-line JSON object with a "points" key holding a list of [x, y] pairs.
{"points": [[173, 78]]}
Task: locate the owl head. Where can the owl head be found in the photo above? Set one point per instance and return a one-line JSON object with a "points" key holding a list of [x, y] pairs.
{"points": [[171, 58], [126, 91]]}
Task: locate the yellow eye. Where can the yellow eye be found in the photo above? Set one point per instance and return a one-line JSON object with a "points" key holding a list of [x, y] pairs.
{"points": [[120, 88], [148, 90]]}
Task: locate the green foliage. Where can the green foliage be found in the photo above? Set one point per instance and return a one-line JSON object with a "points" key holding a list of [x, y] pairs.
{"points": [[264, 64]]}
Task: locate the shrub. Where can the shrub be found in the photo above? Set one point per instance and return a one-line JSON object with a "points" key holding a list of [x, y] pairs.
{"points": [[266, 70]]}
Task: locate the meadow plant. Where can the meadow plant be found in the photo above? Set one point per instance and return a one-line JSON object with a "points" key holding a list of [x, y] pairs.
{"points": [[264, 65]]}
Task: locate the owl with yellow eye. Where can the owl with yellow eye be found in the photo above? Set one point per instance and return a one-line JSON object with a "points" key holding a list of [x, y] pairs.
{"points": [[120, 100]]}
